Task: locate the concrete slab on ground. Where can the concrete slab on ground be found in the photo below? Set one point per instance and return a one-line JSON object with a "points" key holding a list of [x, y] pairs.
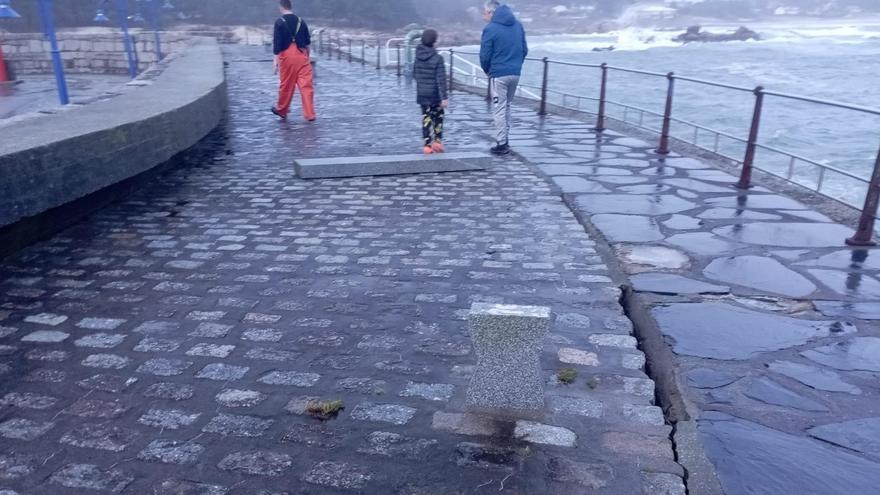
{"points": [[365, 166]]}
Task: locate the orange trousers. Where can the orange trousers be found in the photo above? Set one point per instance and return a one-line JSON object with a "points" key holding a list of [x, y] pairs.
{"points": [[295, 70]]}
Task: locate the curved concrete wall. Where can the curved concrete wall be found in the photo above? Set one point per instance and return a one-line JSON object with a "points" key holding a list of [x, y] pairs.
{"points": [[49, 161]]}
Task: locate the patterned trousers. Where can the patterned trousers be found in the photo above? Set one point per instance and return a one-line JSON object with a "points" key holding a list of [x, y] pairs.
{"points": [[432, 123]]}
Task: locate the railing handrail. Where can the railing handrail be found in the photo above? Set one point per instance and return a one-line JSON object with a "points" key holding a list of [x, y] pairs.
{"points": [[864, 234]]}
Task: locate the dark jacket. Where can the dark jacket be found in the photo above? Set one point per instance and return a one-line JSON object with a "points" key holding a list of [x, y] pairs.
{"points": [[286, 33], [429, 72], [503, 48]]}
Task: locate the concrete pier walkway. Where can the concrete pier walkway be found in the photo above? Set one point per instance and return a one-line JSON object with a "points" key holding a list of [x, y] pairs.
{"points": [[172, 343]]}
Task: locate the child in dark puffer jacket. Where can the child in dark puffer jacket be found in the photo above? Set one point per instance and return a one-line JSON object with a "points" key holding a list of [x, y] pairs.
{"points": [[429, 72]]}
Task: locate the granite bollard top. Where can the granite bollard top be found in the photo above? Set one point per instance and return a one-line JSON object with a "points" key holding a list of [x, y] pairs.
{"points": [[508, 341], [357, 166]]}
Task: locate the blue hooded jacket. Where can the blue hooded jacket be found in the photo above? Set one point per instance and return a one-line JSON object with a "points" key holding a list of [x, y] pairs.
{"points": [[503, 48]]}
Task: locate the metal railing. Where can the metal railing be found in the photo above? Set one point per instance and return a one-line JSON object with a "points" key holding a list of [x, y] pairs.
{"points": [[471, 75]]}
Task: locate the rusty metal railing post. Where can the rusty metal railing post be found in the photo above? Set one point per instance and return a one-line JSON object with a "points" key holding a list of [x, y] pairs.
{"points": [[603, 88], [350, 49], [543, 108], [451, 70], [667, 116], [363, 52], [745, 178], [865, 233], [399, 65]]}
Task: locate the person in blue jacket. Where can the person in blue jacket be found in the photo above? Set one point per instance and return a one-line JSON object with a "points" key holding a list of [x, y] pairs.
{"points": [[503, 51]]}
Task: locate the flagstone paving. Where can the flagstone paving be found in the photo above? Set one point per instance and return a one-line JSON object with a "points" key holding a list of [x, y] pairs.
{"points": [[173, 343]]}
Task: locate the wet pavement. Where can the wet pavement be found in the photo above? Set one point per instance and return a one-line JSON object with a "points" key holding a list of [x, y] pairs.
{"points": [[769, 315], [177, 342], [39, 93]]}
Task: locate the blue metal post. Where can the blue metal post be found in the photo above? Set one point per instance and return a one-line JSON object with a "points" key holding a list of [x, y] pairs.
{"points": [[122, 12], [157, 26], [57, 65]]}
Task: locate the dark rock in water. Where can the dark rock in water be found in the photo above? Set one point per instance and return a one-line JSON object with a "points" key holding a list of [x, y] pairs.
{"points": [[695, 34], [761, 273], [610, 48], [756, 460], [817, 378], [858, 354], [859, 310], [667, 283], [723, 331], [772, 393], [706, 378], [861, 435]]}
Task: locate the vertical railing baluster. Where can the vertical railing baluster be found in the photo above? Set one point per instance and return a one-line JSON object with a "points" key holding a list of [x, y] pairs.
{"points": [[667, 116], [791, 168], [745, 179], [350, 49], [378, 54], [865, 233], [600, 118], [543, 108], [451, 70], [363, 52], [399, 66]]}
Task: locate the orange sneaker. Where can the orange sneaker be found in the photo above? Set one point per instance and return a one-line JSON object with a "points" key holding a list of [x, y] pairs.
{"points": [[428, 150], [438, 147]]}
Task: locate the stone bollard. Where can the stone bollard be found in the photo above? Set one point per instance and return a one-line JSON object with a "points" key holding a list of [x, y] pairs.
{"points": [[508, 341]]}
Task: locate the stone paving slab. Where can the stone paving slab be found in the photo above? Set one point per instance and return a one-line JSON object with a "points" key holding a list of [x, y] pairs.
{"points": [[360, 166], [749, 286], [175, 342]]}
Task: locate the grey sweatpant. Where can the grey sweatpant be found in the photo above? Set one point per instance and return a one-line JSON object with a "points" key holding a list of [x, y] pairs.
{"points": [[503, 91]]}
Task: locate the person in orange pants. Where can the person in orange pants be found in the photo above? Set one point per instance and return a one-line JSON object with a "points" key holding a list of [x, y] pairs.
{"points": [[291, 46]]}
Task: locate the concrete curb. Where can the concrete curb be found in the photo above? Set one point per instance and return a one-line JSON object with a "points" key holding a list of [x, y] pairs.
{"points": [[52, 160]]}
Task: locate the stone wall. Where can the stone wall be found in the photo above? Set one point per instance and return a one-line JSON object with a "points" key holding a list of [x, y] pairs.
{"points": [[49, 161], [30, 53]]}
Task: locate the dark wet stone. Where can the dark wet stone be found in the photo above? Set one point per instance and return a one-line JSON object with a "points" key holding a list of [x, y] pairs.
{"points": [[724, 331], [627, 228], [313, 435], [760, 273], [858, 354], [238, 426], [170, 391], [593, 475], [860, 435], [852, 284], [841, 309], [104, 436], [619, 179], [811, 376], [91, 477], [770, 392], [787, 234], [734, 213], [94, 408], [670, 284], [756, 460], [847, 259], [706, 378], [14, 466], [759, 201], [171, 452], [643, 189], [698, 186], [683, 222], [258, 462], [186, 487], [570, 184], [703, 243], [722, 396], [488, 456], [338, 475], [394, 445], [660, 204]]}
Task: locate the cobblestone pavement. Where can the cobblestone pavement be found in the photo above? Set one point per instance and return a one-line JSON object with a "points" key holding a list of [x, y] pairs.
{"points": [[171, 343]]}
